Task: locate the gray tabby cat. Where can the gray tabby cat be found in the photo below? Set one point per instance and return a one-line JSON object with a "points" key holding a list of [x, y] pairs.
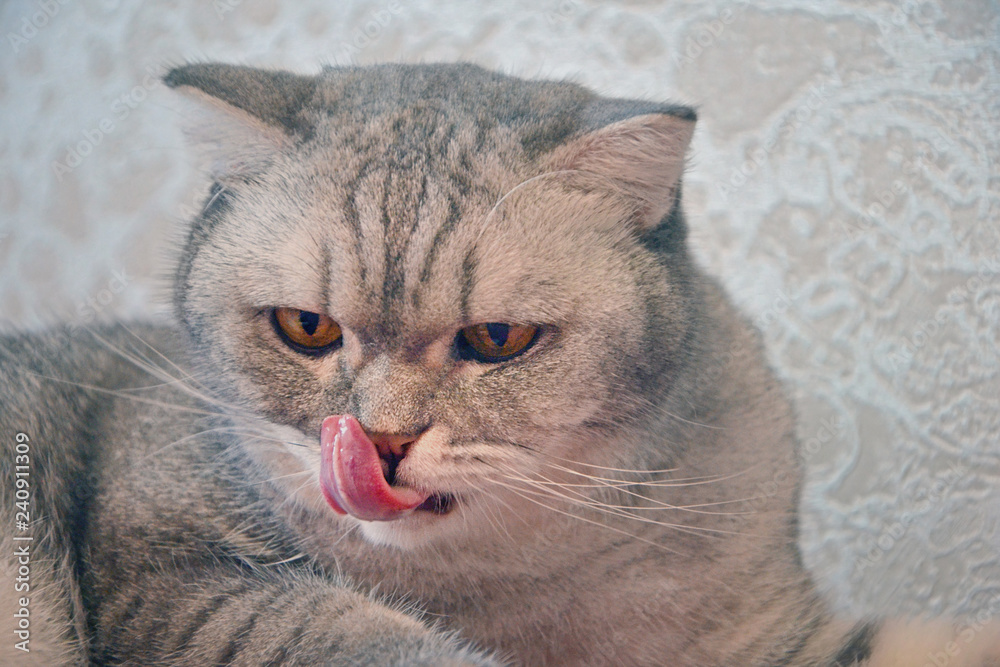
{"points": [[446, 389]]}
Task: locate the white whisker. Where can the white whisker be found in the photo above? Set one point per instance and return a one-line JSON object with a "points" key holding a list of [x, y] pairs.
{"points": [[161, 374], [622, 511], [118, 394], [658, 505], [614, 529], [628, 470], [666, 483], [276, 478]]}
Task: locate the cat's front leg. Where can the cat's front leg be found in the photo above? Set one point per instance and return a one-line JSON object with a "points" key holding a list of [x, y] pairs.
{"points": [[228, 615]]}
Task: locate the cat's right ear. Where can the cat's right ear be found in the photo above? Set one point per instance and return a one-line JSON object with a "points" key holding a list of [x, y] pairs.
{"points": [[640, 155], [241, 116]]}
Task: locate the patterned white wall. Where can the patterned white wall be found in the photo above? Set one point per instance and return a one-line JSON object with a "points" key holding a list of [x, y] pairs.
{"points": [[845, 183]]}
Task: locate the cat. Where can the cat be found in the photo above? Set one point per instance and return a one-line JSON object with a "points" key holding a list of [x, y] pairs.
{"points": [[445, 387]]}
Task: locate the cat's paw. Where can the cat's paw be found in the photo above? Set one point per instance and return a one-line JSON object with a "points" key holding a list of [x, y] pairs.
{"points": [[384, 635], [432, 650], [459, 657]]}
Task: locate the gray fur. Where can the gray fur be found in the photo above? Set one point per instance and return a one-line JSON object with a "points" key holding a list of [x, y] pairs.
{"points": [[175, 471]]}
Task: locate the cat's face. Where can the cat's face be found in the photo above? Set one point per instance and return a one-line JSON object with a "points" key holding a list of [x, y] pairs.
{"points": [[397, 263]]}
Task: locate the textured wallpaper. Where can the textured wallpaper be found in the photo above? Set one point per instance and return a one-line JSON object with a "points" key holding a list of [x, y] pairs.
{"points": [[844, 183]]}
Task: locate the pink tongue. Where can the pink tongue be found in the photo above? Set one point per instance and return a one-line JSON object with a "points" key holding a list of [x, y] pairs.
{"points": [[351, 476]]}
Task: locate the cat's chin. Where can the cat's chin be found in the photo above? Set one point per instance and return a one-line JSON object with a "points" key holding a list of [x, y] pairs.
{"points": [[418, 528]]}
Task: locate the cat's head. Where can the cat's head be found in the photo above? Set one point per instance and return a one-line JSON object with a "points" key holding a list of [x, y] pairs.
{"points": [[485, 277]]}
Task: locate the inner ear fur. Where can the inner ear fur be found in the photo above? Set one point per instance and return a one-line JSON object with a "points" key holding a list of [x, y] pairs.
{"points": [[641, 157]]}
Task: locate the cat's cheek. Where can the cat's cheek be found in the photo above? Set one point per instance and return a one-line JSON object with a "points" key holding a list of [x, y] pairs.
{"points": [[289, 458], [282, 445]]}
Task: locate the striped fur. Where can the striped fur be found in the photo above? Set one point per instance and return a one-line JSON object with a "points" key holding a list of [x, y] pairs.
{"points": [[624, 492]]}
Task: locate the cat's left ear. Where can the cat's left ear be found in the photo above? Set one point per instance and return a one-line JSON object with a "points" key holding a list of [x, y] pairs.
{"points": [[641, 157], [242, 116]]}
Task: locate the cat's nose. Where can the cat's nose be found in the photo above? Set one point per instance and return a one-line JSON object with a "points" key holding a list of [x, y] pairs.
{"points": [[392, 448], [388, 444]]}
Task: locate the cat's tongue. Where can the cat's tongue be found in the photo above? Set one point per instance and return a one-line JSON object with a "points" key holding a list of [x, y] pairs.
{"points": [[351, 476]]}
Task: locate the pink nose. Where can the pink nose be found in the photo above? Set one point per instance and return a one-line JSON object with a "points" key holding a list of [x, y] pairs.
{"points": [[390, 443]]}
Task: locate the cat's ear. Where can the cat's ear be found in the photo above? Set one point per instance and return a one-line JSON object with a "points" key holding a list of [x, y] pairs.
{"points": [[641, 157], [241, 116]]}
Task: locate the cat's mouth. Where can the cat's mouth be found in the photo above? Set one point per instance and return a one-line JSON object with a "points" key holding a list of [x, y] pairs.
{"points": [[357, 476], [391, 455], [437, 503]]}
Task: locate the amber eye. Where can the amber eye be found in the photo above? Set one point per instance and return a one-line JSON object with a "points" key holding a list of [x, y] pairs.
{"points": [[495, 341], [311, 333]]}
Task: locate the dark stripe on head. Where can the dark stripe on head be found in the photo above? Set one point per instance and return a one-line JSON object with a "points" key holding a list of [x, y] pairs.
{"points": [[463, 177], [392, 281], [421, 197], [468, 270], [446, 228], [326, 276], [353, 216]]}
